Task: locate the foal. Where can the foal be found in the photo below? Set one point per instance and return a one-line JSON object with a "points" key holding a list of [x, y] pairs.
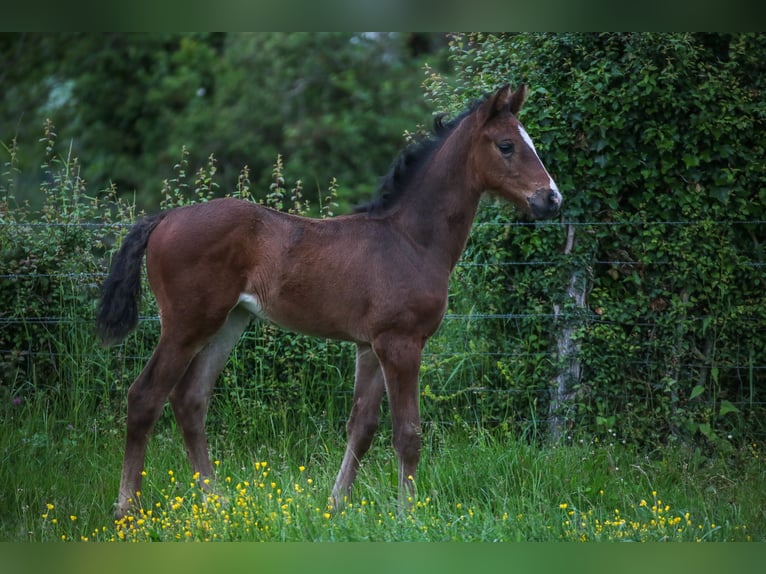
{"points": [[377, 277]]}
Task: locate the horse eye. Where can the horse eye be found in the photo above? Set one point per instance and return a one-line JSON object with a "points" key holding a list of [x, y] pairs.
{"points": [[506, 148]]}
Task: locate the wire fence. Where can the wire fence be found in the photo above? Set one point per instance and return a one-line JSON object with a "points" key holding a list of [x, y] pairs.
{"points": [[748, 366]]}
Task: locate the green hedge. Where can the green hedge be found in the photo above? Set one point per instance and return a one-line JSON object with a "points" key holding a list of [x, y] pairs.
{"points": [[657, 143]]}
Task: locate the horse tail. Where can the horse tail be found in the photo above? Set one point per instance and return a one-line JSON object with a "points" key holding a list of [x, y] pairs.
{"points": [[117, 313]]}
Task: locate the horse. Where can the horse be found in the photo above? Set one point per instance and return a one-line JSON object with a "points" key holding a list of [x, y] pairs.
{"points": [[377, 277]]}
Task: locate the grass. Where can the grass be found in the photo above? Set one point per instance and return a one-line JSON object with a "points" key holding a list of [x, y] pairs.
{"points": [[61, 448], [60, 477]]}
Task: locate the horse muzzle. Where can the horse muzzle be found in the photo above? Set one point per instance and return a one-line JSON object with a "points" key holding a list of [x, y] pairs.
{"points": [[545, 203]]}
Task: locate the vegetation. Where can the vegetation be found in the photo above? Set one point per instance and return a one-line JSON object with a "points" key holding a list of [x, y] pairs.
{"points": [[655, 302], [332, 104], [656, 141], [490, 488]]}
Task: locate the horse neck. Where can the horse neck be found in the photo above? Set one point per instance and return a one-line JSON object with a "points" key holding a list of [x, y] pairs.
{"points": [[437, 213]]}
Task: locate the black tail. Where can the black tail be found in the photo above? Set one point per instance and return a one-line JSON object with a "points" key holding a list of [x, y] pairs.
{"points": [[117, 313]]}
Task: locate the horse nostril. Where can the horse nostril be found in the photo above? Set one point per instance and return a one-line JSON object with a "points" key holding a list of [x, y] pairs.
{"points": [[545, 202]]}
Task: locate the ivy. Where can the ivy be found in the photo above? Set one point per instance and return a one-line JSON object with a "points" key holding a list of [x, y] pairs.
{"points": [[657, 143]]}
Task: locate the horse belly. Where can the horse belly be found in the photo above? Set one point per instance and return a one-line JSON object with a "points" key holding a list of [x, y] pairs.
{"points": [[306, 316]]}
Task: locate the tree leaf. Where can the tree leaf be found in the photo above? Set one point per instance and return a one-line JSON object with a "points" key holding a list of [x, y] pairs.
{"points": [[696, 391]]}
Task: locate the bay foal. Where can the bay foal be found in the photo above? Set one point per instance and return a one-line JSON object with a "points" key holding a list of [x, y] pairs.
{"points": [[377, 277]]}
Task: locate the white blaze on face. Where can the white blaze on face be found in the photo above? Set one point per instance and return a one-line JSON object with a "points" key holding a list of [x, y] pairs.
{"points": [[530, 143]]}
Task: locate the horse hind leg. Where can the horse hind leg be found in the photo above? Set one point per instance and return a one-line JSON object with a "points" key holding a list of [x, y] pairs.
{"points": [[190, 398], [363, 421], [146, 398]]}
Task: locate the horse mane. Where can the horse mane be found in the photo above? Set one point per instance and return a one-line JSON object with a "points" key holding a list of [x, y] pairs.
{"points": [[410, 160]]}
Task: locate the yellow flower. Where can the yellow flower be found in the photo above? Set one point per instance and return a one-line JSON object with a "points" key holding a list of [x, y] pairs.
{"points": [[301, 468], [563, 506]]}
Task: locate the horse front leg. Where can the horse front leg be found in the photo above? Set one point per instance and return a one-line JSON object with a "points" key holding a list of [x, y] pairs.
{"points": [[400, 361], [363, 421]]}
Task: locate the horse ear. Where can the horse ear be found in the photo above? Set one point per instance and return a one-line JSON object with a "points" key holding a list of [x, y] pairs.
{"points": [[504, 100], [518, 98], [496, 103]]}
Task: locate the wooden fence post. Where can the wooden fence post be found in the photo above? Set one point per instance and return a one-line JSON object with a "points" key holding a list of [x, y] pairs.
{"points": [[567, 345]]}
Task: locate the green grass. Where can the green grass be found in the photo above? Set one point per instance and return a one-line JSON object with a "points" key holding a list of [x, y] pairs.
{"points": [[278, 444], [60, 476]]}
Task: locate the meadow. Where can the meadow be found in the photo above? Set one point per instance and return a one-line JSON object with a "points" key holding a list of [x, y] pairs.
{"points": [[474, 484]]}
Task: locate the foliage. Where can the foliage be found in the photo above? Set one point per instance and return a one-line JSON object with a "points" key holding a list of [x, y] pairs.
{"points": [[50, 268], [656, 141], [330, 103]]}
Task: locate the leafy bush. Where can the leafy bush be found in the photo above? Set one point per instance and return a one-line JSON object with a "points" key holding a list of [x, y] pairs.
{"points": [[657, 142], [331, 103], [50, 269]]}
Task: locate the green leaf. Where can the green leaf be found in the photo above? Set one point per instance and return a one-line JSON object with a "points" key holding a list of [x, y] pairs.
{"points": [[696, 391], [726, 408]]}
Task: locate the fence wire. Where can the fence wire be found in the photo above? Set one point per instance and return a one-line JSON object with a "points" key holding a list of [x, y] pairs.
{"points": [[90, 279]]}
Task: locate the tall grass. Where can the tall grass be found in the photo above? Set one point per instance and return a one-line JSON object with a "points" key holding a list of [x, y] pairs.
{"points": [[277, 459], [273, 481], [278, 449]]}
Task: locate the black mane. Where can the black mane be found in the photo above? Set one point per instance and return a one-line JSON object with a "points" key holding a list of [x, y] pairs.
{"points": [[409, 162]]}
